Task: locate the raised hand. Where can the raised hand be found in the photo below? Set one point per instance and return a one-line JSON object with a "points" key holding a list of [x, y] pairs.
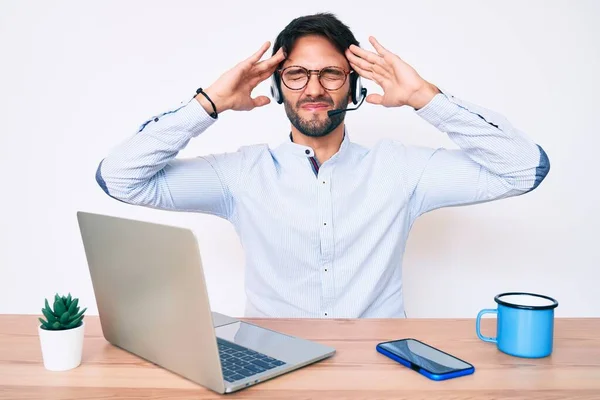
{"points": [[401, 84], [232, 91]]}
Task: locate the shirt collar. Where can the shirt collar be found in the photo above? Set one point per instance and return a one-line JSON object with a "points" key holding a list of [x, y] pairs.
{"points": [[307, 151]]}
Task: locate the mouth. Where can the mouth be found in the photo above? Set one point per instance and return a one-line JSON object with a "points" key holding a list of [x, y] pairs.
{"points": [[315, 106]]}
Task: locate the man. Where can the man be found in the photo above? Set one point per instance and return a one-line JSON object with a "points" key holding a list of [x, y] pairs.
{"points": [[323, 221]]}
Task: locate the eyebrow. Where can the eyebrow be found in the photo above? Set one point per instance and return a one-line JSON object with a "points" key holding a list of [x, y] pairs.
{"points": [[292, 64]]}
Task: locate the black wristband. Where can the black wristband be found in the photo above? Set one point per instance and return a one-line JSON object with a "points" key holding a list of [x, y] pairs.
{"points": [[213, 114]]}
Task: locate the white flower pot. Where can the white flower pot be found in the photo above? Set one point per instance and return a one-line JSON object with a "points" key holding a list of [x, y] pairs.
{"points": [[61, 350]]}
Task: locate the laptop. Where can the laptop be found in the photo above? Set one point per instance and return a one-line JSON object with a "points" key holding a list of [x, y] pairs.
{"points": [[152, 301]]}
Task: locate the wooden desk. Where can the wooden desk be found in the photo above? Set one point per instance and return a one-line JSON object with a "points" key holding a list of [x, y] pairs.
{"points": [[357, 371]]}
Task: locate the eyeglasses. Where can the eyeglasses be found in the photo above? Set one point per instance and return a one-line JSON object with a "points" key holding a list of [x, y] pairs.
{"points": [[296, 77]]}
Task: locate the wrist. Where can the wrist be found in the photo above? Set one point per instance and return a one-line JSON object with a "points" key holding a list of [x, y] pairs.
{"points": [[423, 96], [215, 98]]}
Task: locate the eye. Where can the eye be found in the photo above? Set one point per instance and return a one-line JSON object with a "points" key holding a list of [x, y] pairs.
{"points": [[295, 74], [332, 74]]}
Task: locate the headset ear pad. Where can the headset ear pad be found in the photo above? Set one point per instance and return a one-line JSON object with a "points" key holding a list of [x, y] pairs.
{"points": [[276, 87], [355, 87]]}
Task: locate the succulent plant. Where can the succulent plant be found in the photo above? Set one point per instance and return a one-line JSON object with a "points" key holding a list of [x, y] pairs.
{"points": [[65, 315]]}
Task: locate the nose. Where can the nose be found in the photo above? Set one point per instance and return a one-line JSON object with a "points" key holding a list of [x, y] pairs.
{"points": [[313, 87]]}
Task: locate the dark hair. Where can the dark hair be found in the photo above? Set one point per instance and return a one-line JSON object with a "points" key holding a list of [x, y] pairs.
{"points": [[322, 24]]}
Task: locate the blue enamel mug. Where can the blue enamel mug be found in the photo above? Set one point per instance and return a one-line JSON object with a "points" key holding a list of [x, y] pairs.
{"points": [[524, 324]]}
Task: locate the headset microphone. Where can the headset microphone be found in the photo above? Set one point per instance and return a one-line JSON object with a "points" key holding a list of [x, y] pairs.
{"points": [[363, 93]]}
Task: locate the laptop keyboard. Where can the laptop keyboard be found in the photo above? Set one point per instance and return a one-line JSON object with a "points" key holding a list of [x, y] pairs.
{"points": [[239, 362]]}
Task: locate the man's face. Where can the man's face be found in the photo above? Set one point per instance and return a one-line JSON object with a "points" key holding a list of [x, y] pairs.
{"points": [[307, 108]]}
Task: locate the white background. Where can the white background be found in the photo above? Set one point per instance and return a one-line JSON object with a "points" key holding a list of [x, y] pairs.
{"points": [[77, 78]]}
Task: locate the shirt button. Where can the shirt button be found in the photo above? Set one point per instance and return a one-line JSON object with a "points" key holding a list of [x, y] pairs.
{"points": [[323, 182], [325, 269], [155, 119], [307, 151], [324, 223], [325, 314]]}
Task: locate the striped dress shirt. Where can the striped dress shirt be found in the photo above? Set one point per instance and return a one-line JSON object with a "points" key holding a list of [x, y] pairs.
{"points": [[325, 241]]}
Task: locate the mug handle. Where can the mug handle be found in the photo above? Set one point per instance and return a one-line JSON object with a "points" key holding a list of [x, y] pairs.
{"points": [[478, 327]]}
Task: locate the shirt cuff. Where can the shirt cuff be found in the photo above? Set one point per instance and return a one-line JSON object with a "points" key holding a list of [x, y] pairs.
{"points": [[194, 117]]}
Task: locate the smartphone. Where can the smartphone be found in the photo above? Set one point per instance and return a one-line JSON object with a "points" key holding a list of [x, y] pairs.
{"points": [[425, 359]]}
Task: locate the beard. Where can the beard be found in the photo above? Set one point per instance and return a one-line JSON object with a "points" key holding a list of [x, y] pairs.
{"points": [[315, 127]]}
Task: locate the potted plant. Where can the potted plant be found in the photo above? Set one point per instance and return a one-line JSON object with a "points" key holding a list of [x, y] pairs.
{"points": [[61, 333]]}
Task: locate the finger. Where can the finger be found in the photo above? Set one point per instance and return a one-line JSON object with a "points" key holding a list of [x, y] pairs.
{"points": [[372, 75], [384, 68], [380, 62], [272, 62], [362, 72], [380, 79], [362, 63], [380, 49], [261, 101], [366, 55], [257, 78], [256, 56], [387, 55], [262, 72], [378, 70], [374, 99]]}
